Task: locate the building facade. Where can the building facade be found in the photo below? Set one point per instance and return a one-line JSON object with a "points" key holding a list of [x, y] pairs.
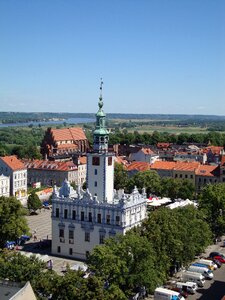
{"points": [[4, 186], [83, 219], [14, 168]]}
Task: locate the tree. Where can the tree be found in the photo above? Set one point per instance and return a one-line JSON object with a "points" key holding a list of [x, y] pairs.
{"points": [[212, 204], [146, 179], [177, 188], [127, 262], [13, 223], [120, 177], [33, 202], [19, 268]]}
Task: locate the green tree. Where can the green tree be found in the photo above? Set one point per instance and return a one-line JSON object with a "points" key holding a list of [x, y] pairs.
{"points": [[12, 220], [146, 179], [212, 204], [127, 262], [33, 202], [120, 177]]}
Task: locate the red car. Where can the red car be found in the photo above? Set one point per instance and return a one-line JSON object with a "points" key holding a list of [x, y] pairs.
{"points": [[220, 258]]}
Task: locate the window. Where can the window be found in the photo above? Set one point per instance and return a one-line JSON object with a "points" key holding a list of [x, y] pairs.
{"points": [[90, 217], [96, 171], [61, 233], [87, 237], [107, 219], [58, 249], [96, 183], [74, 215], [57, 212], [186, 176], [191, 176], [71, 251], [175, 175], [82, 216], [87, 254], [109, 161], [99, 218], [117, 220], [180, 175], [95, 161], [71, 234], [65, 213], [101, 238]]}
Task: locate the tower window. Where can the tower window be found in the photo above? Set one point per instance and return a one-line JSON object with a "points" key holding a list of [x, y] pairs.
{"points": [[109, 161], [82, 216], [96, 171], [96, 183], [71, 251], [95, 161], [65, 213], [57, 212], [74, 215]]}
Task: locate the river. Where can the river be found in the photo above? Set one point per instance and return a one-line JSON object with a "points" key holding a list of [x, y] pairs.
{"points": [[67, 121]]}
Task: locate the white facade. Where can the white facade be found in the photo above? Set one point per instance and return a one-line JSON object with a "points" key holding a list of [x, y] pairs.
{"points": [[18, 178], [80, 221], [144, 155], [4, 186]]}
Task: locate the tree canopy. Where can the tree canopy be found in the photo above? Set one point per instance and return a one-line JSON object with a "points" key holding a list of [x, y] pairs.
{"points": [[12, 219], [33, 202]]}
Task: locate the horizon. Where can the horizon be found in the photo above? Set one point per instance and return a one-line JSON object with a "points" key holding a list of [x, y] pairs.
{"points": [[155, 57]]}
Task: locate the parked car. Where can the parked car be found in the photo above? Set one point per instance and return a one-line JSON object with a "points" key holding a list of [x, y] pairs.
{"points": [[220, 259], [179, 290], [10, 245], [213, 254]]}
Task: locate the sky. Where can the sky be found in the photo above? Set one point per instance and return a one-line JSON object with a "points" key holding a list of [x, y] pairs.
{"points": [[155, 56]]}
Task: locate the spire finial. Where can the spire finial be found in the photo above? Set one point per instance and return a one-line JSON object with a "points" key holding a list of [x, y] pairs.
{"points": [[100, 103]]}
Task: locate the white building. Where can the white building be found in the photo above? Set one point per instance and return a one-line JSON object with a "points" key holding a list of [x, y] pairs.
{"points": [[11, 166], [83, 219], [145, 155], [4, 186]]}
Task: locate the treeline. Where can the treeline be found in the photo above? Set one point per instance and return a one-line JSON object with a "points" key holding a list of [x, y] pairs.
{"points": [[127, 138], [23, 142], [173, 188]]}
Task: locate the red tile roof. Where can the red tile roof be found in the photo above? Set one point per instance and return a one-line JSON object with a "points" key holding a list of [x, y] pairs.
{"points": [[147, 151], [163, 145], [121, 160], [172, 165], [83, 160], [206, 170], [50, 165], [139, 166], [13, 162], [67, 146], [213, 149], [68, 134]]}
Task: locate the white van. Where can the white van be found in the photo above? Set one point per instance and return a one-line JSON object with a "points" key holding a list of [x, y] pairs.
{"points": [[189, 287], [211, 265], [165, 294], [194, 277], [204, 271]]}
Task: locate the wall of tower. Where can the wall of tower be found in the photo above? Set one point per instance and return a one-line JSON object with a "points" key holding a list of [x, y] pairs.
{"points": [[100, 175]]}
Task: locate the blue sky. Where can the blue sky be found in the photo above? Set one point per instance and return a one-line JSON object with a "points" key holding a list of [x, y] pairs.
{"points": [[155, 56]]}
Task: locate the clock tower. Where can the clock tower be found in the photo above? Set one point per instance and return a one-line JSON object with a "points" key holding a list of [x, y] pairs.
{"points": [[100, 162]]}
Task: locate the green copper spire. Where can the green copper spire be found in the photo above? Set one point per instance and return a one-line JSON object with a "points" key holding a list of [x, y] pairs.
{"points": [[101, 134]]}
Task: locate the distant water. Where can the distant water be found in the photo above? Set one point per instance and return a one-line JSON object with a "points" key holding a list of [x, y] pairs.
{"points": [[67, 121]]}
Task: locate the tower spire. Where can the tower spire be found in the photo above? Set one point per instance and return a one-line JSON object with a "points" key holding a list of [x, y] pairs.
{"points": [[101, 134]]}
